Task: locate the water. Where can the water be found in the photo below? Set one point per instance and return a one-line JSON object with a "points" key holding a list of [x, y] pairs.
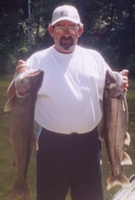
{"points": [[8, 175]]}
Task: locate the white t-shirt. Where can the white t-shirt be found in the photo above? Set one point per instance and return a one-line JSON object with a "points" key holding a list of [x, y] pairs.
{"points": [[69, 98]]}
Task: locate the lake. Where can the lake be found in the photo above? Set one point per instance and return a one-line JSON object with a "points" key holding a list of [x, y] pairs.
{"points": [[8, 174]]}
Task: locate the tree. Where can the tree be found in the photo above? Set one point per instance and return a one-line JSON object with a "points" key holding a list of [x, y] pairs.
{"points": [[109, 27]]}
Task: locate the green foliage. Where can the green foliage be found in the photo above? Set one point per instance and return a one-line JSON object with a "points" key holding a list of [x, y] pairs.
{"points": [[131, 65], [109, 28]]}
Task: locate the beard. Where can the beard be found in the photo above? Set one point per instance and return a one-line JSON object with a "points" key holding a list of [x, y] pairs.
{"points": [[66, 42]]}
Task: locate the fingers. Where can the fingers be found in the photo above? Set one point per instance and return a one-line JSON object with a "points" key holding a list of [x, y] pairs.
{"points": [[125, 82], [124, 74], [21, 66]]}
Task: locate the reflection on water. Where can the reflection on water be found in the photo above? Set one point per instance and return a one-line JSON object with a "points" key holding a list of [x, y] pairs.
{"points": [[7, 173]]}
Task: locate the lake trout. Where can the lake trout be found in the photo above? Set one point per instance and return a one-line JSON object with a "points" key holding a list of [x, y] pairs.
{"points": [[22, 106], [115, 126], [126, 193]]}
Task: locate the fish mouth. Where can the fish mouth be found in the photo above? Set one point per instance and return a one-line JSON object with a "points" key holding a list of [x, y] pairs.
{"points": [[30, 73], [36, 74], [24, 80], [33, 73]]}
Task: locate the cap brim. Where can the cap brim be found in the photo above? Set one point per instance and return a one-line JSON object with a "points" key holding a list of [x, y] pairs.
{"points": [[67, 19]]}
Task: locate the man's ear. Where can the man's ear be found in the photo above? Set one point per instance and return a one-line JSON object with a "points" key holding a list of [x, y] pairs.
{"points": [[51, 30], [80, 30]]}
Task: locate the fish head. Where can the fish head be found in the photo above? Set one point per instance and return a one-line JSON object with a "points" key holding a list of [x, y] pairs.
{"points": [[28, 81]]}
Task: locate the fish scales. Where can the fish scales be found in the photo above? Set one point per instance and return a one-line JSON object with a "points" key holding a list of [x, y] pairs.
{"points": [[115, 125], [22, 106], [21, 135]]}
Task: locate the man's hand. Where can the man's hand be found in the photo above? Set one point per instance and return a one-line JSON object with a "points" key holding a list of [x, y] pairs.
{"points": [[124, 74], [21, 66]]}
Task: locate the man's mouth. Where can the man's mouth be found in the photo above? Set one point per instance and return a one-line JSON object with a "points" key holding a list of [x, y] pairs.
{"points": [[66, 42]]}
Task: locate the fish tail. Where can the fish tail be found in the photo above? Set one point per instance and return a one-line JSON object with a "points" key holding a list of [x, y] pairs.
{"points": [[126, 160], [127, 139], [117, 180], [20, 189]]}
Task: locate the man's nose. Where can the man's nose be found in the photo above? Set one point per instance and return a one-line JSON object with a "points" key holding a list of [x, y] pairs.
{"points": [[66, 31]]}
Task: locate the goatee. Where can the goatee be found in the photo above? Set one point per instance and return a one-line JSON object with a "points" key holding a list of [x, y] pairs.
{"points": [[66, 42]]}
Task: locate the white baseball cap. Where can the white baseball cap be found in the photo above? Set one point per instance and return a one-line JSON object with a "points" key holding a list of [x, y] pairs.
{"points": [[65, 12]]}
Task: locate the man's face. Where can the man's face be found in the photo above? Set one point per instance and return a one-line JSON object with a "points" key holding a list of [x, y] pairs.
{"points": [[65, 34]]}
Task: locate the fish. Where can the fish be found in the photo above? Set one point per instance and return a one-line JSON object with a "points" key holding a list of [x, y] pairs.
{"points": [[126, 193], [115, 130], [21, 104]]}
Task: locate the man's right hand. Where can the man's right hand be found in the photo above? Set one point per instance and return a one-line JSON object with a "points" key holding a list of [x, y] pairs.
{"points": [[21, 66]]}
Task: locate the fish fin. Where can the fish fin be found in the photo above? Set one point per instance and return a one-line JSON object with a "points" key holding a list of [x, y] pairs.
{"points": [[126, 160], [34, 143], [127, 139], [37, 146], [120, 180], [132, 178], [10, 103], [14, 165], [101, 138], [20, 188], [11, 89], [102, 135], [123, 106]]}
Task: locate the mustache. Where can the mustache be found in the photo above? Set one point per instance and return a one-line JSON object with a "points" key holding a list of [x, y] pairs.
{"points": [[66, 42], [66, 38]]}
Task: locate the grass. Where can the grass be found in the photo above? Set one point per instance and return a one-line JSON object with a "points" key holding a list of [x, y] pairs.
{"points": [[8, 174]]}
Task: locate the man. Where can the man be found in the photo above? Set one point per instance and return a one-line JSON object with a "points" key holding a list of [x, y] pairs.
{"points": [[68, 112]]}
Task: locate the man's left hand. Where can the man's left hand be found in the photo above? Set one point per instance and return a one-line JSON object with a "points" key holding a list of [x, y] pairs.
{"points": [[124, 74]]}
